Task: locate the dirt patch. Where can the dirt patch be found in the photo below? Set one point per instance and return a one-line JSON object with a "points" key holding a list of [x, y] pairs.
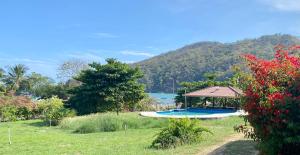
{"points": [[231, 145]]}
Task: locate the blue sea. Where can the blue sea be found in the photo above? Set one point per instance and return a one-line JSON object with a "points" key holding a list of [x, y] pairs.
{"points": [[164, 98]]}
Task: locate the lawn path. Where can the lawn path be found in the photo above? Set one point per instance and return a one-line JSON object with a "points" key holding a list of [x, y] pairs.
{"points": [[220, 147]]}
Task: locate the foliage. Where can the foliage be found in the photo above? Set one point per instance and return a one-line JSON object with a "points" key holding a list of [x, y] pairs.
{"points": [[192, 61], [112, 86], [53, 110], [2, 84], [16, 108], [8, 113], [107, 122], [60, 90], [272, 101], [179, 132], [17, 83], [15, 76], [36, 85]]}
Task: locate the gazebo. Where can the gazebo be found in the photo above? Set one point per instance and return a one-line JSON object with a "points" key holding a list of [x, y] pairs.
{"points": [[217, 92]]}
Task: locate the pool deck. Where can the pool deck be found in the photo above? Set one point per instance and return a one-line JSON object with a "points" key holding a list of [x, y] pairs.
{"points": [[209, 116]]}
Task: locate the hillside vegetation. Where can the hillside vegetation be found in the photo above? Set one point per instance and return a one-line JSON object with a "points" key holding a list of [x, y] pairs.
{"points": [[192, 61]]}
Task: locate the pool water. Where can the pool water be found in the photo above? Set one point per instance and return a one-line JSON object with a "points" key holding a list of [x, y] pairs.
{"points": [[195, 111]]}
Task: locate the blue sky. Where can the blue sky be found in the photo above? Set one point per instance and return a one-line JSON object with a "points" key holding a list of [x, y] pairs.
{"points": [[43, 33]]}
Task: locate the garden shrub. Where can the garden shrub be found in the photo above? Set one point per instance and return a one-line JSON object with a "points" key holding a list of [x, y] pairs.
{"points": [[179, 132], [53, 110], [272, 100], [8, 113], [16, 108]]}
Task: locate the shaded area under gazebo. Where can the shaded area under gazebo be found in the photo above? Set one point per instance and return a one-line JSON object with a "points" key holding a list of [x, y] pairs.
{"points": [[217, 92]]}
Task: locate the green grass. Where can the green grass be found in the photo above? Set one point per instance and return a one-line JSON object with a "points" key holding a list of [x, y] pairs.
{"points": [[111, 122], [32, 137]]}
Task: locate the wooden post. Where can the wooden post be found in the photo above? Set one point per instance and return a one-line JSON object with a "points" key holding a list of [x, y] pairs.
{"points": [[9, 135]]}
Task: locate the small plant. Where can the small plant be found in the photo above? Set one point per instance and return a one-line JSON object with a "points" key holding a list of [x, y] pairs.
{"points": [[53, 110], [179, 132]]}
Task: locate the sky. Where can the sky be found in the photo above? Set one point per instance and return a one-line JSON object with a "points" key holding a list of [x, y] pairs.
{"points": [[42, 34]]}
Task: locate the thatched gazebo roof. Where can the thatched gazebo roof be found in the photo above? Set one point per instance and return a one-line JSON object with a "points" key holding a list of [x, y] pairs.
{"points": [[217, 91]]}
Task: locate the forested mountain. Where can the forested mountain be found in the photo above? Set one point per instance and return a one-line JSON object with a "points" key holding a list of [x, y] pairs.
{"points": [[190, 62]]}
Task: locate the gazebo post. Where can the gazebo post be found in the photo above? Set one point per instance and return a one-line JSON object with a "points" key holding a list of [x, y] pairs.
{"points": [[185, 102], [225, 103]]}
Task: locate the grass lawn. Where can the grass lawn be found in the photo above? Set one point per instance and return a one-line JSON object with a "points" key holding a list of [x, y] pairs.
{"points": [[32, 137]]}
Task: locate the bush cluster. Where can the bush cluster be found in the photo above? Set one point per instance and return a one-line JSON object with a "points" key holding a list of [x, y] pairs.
{"points": [[52, 110], [16, 108], [179, 132]]}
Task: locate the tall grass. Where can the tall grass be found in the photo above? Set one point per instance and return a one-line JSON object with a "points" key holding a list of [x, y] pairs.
{"points": [[106, 122]]}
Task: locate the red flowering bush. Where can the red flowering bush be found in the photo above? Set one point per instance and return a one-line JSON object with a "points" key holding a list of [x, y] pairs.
{"points": [[272, 100]]}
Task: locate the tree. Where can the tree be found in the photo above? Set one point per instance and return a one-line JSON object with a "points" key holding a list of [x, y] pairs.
{"points": [[16, 75], [35, 84], [112, 86], [71, 68], [2, 85]]}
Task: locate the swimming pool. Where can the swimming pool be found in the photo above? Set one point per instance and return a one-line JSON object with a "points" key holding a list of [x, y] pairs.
{"points": [[194, 113]]}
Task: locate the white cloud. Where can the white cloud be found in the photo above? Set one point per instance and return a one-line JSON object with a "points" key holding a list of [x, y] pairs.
{"points": [[137, 53], [283, 5], [45, 67], [24, 60], [128, 61], [86, 56], [29, 60], [104, 35]]}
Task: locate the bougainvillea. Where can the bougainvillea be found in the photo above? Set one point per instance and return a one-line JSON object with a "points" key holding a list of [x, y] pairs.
{"points": [[272, 101]]}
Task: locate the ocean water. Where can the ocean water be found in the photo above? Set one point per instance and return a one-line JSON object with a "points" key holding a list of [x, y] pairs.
{"points": [[164, 98]]}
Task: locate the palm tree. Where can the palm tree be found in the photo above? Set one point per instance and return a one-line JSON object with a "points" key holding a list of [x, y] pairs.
{"points": [[1, 73], [2, 86], [16, 75]]}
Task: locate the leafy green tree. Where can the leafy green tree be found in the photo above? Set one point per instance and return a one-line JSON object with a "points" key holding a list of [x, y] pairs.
{"points": [[60, 90], [35, 84], [2, 85], [113, 86]]}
